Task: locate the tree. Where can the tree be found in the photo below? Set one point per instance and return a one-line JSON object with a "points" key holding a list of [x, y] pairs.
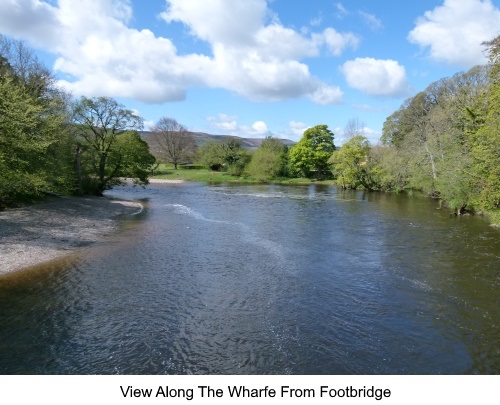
{"points": [[130, 158], [172, 142], [350, 164], [354, 127], [227, 155], [486, 141], [270, 160], [310, 155], [437, 141], [33, 135], [211, 155], [100, 123]]}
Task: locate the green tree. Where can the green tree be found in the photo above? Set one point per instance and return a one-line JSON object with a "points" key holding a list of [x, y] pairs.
{"points": [[33, 138], [486, 141], [350, 164], [102, 155], [211, 155], [130, 158], [228, 155], [429, 134], [269, 161], [310, 155]]}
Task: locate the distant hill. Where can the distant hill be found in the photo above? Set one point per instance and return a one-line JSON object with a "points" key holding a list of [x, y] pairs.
{"points": [[201, 138]]}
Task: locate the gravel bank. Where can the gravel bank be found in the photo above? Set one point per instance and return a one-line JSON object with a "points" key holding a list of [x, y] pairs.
{"points": [[44, 232]]}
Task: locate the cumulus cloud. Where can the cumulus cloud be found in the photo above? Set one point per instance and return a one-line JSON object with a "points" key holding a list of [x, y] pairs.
{"points": [[225, 123], [232, 23], [337, 42], [257, 60], [252, 53], [260, 128], [453, 32], [376, 77], [327, 95], [297, 128], [228, 125], [37, 21], [294, 131]]}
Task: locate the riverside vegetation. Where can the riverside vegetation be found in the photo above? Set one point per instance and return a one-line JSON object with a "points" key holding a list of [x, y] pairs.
{"points": [[50, 143], [444, 141]]}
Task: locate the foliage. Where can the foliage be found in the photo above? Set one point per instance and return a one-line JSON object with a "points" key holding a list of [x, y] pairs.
{"points": [[33, 137], [211, 176], [485, 147], [269, 161], [350, 164], [446, 140], [102, 127], [310, 155], [227, 155], [210, 155], [172, 143]]}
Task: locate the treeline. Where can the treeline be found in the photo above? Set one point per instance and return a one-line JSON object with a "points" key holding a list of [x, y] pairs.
{"points": [[273, 159], [444, 141], [51, 143]]}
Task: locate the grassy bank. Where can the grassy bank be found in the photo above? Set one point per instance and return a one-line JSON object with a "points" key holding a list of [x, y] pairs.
{"points": [[203, 175]]}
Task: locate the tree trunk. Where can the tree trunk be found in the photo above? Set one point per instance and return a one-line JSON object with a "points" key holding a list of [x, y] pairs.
{"points": [[433, 164], [102, 174], [78, 167]]}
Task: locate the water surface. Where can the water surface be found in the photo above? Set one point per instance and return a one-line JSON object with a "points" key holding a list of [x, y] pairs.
{"points": [[264, 280]]}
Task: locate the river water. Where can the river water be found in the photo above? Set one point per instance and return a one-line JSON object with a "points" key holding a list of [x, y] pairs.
{"points": [[264, 279]]}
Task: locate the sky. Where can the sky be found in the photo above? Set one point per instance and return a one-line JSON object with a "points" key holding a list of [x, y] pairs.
{"points": [[255, 68]]}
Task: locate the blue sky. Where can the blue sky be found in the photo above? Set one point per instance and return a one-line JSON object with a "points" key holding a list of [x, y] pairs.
{"points": [[255, 67]]}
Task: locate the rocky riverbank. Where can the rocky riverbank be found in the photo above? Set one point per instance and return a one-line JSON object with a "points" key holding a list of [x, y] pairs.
{"points": [[51, 230]]}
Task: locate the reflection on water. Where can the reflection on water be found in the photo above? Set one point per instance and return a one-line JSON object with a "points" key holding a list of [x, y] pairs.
{"points": [[264, 280]]}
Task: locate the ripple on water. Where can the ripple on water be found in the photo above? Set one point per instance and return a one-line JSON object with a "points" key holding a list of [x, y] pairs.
{"points": [[264, 280]]}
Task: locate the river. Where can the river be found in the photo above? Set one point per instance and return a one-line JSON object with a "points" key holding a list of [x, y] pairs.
{"points": [[264, 279]]}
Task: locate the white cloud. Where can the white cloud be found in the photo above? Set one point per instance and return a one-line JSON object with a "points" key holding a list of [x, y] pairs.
{"points": [[222, 21], [34, 19], [148, 125], [252, 53], [258, 61], [224, 123], [327, 95], [298, 128], [372, 135], [454, 31], [228, 125], [294, 131], [337, 42], [260, 128], [375, 77]]}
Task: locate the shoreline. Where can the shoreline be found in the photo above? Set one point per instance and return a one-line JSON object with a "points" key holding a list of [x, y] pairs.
{"points": [[165, 181], [33, 235]]}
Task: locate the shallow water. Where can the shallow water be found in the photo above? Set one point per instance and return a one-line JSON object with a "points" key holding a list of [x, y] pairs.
{"points": [[264, 280]]}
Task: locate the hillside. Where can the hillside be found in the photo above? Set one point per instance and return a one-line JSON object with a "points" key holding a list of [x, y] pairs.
{"points": [[201, 138]]}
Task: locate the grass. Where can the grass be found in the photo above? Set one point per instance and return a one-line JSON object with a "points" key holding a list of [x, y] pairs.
{"points": [[208, 176]]}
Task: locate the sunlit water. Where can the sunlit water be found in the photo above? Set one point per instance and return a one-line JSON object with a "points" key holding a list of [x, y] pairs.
{"points": [[264, 280]]}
